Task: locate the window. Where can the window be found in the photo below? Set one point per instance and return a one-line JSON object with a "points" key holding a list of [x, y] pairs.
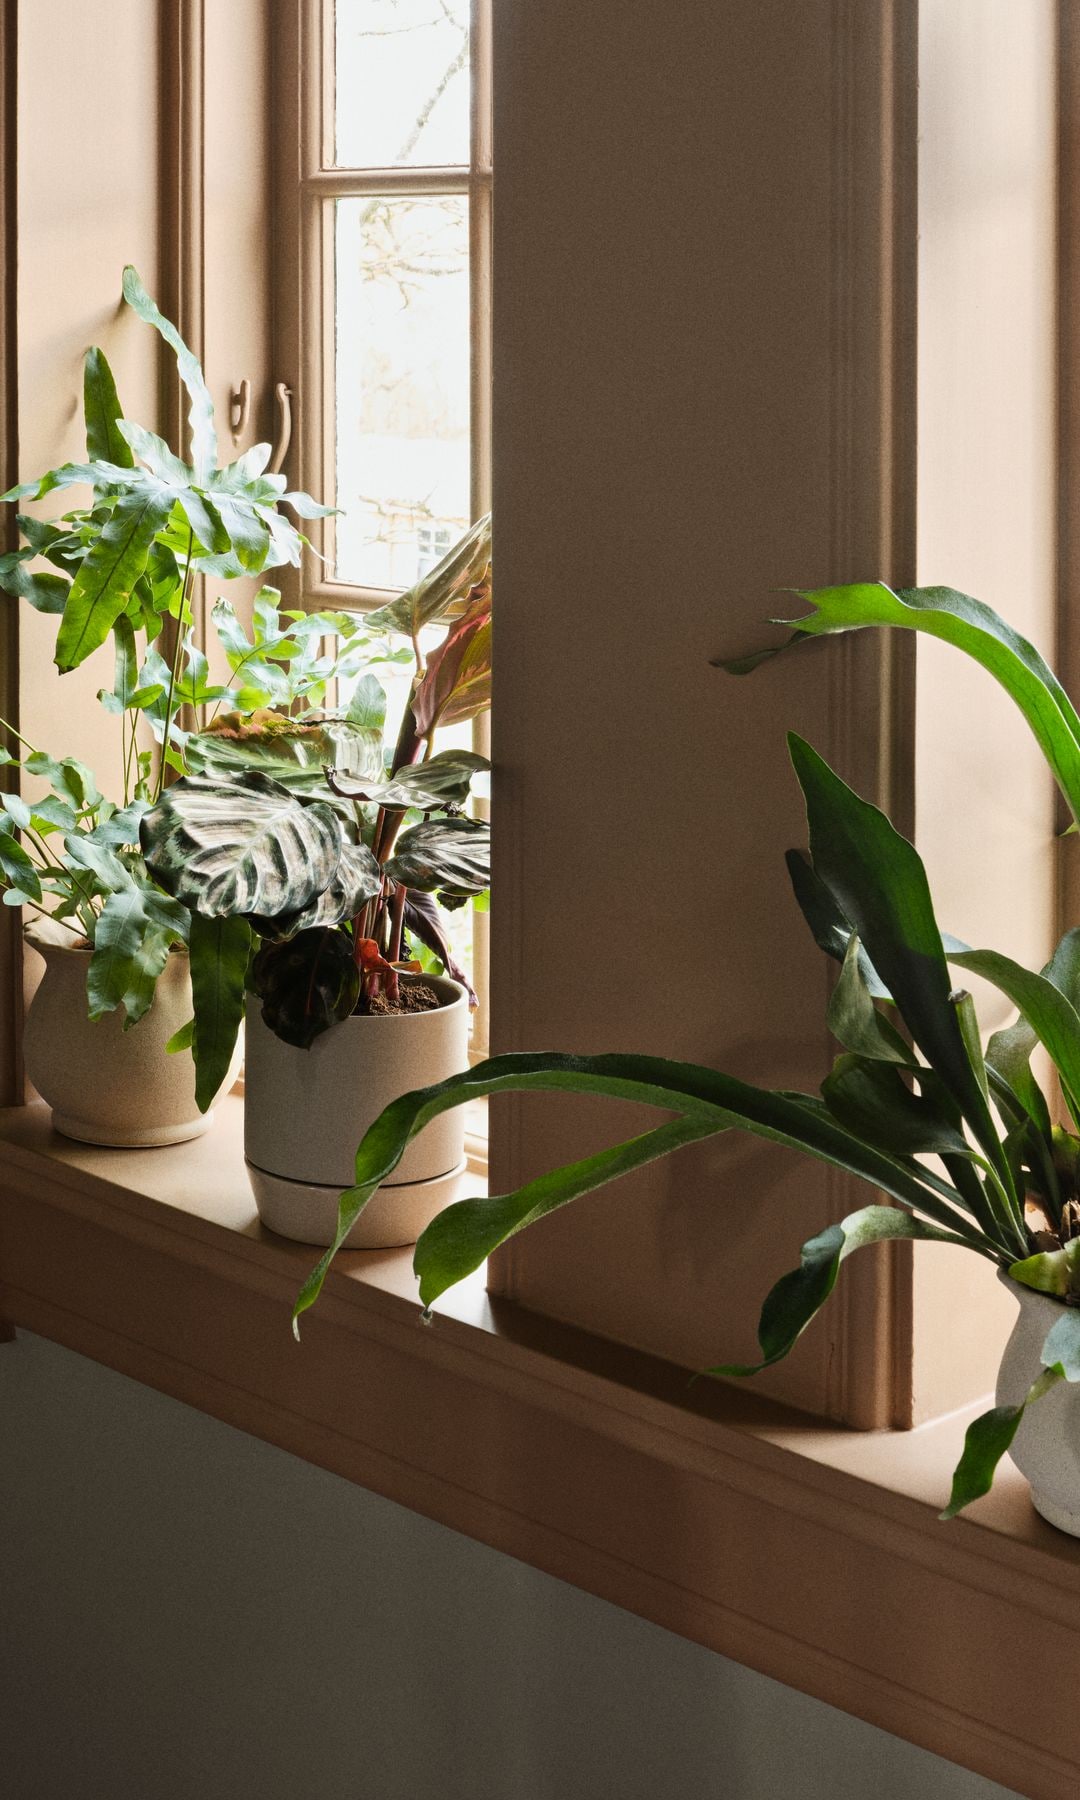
{"points": [[384, 326]]}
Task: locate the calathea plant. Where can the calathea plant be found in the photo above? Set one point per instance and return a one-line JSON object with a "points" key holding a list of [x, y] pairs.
{"points": [[123, 567], [960, 1140], [307, 852]]}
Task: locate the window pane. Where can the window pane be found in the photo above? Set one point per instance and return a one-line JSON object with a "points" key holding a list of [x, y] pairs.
{"points": [[402, 385], [402, 73]]}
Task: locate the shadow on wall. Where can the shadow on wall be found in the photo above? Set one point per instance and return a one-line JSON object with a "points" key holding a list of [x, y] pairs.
{"points": [[190, 1612]]}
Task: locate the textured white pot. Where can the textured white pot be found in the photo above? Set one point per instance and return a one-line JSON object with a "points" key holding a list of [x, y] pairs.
{"points": [[1046, 1448], [305, 1112], [107, 1085]]}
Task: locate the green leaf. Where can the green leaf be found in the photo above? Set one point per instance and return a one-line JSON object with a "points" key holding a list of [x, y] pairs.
{"points": [[367, 711], [1043, 1005], [878, 880], [798, 1297], [244, 846], [201, 415], [45, 593], [441, 782], [17, 868], [443, 592], [871, 1099], [95, 474], [297, 757], [356, 880], [306, 985], [972, 627], [985, 1442], [1061, 1350], [130, 952], [102, 588], [832, 929], [1050, 1271], [1008, 1054], [181, 1040], [854, 1019], [795, 1120], [155, 453], [305, 507], [101, 407], [219, 950], [444, 853]]}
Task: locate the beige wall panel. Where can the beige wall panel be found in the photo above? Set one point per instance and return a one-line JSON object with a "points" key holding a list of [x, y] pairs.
{"points": [[986, 524], [692, 409], [87, 204]]}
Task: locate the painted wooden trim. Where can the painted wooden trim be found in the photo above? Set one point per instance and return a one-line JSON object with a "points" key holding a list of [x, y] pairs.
{"points": [[11, 989], [810, 1553], [1068, 517]]}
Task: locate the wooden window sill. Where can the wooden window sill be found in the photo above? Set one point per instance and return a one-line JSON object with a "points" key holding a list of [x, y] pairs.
{"points": [[808, 1552]]}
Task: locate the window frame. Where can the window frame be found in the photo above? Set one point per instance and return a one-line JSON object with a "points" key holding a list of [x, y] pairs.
{"points": [[305, 179]]}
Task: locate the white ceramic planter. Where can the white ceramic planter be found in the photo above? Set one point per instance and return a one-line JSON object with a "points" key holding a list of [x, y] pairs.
{"points": [[107, 1085], [1046, 1448], [305, 1112]]}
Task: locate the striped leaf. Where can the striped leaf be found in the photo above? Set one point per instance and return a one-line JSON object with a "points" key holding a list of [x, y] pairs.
{"points": [[242, 846]]}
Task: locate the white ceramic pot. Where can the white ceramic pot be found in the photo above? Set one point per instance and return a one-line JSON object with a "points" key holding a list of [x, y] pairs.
{"points": [[305, 1112], [1046, 1448], [107, 1085]]}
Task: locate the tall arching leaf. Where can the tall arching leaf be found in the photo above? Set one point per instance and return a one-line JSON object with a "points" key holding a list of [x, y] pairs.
{"points": [[245, 846], [956, 618], [468, 1231], [201, 416], [101, 406]]}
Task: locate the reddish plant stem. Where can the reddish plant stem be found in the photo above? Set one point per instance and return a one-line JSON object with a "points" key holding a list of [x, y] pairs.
{"points": [[397, 924]]}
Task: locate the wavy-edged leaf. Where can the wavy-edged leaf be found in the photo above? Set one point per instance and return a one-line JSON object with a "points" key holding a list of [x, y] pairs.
{"points": [[219, 950], [305, 507], [799, 1296], [239, 847], [702, 1094], [17, 869], [452, 854], [46, 593], [976, 629], [155, 453], [96, 474], [443, 593], [130, 952], [201, 415], [102, 411], [356, 880], [442, 781], [102, 588], [306, 985]]}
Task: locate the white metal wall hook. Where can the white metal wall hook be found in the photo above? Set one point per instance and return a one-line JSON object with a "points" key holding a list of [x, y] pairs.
{"points": [[283, 396], [239, 408]]}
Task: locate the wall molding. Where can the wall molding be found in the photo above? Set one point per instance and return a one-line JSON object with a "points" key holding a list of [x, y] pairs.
{"points": [[11, 988], [809, 1553]]}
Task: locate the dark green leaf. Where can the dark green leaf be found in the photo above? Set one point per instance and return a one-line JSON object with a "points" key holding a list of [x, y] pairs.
{"points": [[238, 847], [17, 869], [306, 985], [696, 1092], [101, 407], [854, 1019], [102, 588], [219, 951], [971, 627], [45, 593], [799, 1296], [871, 1099], [878, 880], [1043, 1005], [831, 929], [985, 1442]]}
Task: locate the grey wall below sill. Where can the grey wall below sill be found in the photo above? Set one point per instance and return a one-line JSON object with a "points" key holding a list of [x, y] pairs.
{"points": [[189, 1614]]}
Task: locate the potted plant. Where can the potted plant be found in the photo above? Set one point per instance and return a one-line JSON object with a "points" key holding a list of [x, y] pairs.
{"points": [[123, 568], [961, 1139], [307, 877]]}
